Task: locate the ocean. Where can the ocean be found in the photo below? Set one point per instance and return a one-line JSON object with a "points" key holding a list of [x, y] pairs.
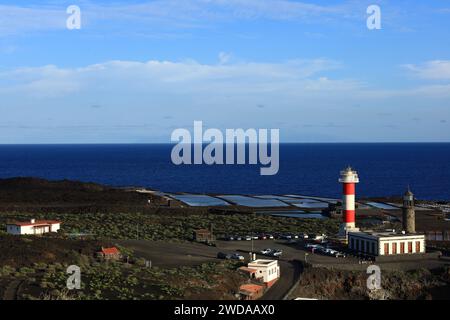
{"points": [[305, 169]]}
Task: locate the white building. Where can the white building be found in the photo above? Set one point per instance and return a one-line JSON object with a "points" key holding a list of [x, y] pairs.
{"points": [[33, 226], [266, 270], [386, 243]]}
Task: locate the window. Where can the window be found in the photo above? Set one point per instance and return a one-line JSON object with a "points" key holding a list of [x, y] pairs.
{"points": [[357, 245], [402, 247], [394, 248], [386, 248], [352, 243], [418, 246], [410, 247], [373, 248]]}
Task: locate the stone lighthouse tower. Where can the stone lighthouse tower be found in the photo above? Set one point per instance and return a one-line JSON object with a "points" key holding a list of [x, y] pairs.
{"points": [[409, 214]]}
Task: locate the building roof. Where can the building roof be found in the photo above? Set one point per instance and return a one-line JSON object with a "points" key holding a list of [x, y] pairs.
{"points": [[112, 250], [246, 269], [385, 234], [36, 223], [262, 262], [250, 288]]}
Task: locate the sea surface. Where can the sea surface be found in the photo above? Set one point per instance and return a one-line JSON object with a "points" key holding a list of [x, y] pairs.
{"points": [[305, 169]]}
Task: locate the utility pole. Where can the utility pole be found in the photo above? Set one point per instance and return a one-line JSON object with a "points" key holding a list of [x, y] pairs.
{"points": [[252, 242]]}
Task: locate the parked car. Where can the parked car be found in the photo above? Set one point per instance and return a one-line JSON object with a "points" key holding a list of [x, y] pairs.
{"points": [[248, 238], [262, 237], [255, 238], [266, 251], [222, 255], [271, 237], [276, 253], [239, 238], [303, 236], [330, 252], [230, 238], [237, 256], [316, 237], [314, 248]]}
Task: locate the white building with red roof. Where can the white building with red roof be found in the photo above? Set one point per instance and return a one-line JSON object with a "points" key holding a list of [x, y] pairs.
{"points": [[36, 227]]}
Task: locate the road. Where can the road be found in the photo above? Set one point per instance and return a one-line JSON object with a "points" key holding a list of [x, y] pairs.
{"points": [[290, 274]]}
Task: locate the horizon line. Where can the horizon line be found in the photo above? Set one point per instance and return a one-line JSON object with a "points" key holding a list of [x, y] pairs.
{"points": [[175, 143]]}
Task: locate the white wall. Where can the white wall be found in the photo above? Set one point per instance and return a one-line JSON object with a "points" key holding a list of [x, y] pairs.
{"points": [[22, 230], [267, 272]]}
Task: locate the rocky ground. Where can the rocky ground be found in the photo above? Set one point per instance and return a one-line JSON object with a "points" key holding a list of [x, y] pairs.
{"points": [[328, 284]]}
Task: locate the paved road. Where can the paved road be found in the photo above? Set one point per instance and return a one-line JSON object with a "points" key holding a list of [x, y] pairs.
{"points": [[290, 274]]}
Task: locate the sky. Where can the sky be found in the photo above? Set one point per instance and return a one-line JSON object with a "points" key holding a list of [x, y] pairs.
{"points": [[137, 70]]}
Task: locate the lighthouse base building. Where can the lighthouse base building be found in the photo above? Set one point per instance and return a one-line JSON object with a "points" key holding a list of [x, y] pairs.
{"points": [[386, 243]]}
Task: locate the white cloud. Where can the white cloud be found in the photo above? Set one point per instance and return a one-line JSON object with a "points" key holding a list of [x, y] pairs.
{"points": [[291, 77], [431, 70]]}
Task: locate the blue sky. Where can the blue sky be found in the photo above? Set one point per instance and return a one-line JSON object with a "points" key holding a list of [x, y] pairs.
{"points": [[136, 70]]}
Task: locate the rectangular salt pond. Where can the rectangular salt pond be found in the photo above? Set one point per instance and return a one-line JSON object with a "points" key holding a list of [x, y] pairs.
{"points": [[384, 206], [307, 204], [292, 214], [253, 202], [313, 199], [282, 198], [195, 200], [311, 205]]}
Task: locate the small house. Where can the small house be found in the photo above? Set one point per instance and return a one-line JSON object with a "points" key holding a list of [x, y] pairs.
{"points": [[267, 271], [109, 253], [251, 291], [33, 227], [203, 235]]}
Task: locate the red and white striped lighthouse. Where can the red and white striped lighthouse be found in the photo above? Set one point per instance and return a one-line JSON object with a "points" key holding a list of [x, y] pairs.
{"points": [[349, 178]]}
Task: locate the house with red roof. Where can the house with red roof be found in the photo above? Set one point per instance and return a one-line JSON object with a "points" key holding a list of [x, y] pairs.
{"points": [[34, 227], [109, 253], [251, 291]]}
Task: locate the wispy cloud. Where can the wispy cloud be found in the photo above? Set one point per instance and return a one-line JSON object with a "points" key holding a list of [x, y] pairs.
{"points": [[431, 70], [17, 19], [183, 14]]}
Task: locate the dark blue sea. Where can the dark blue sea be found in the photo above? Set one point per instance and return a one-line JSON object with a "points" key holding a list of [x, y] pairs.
{"points": [[307, 169]]}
